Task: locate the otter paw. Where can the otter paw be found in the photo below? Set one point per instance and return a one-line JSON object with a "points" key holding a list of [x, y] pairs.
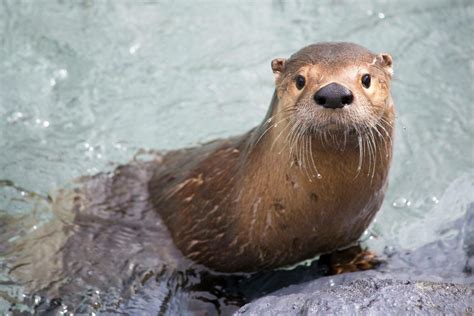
{"points": [[351, 260]]}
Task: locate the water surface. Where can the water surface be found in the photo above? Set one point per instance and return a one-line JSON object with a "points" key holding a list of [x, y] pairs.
{"points": [[84, 86]]}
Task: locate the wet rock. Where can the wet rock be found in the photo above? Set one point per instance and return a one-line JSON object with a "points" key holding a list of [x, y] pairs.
{"points": [[369, 295]]}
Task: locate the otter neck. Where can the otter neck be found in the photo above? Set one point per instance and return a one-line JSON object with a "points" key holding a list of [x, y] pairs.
{"points": [[287, 148]]}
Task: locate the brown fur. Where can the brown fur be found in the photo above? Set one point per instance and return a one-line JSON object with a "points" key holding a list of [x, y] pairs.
{"points": [[307, 181]]}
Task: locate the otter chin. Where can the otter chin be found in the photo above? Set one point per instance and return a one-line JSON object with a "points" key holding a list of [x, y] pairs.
{"points": [[308, 180]]}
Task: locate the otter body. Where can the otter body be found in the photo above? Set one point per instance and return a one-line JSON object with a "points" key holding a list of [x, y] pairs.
{"points": [[306, 181]]}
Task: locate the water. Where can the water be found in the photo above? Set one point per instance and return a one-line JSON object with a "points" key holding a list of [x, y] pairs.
{"points": [[84, 86]]}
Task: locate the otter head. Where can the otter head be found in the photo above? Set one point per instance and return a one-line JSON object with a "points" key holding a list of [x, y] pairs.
{"points": [[334, 87]]}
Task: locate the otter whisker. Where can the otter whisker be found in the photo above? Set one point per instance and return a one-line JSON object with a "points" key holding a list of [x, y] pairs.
{"points": [[311, 164], [370, 150], [318, 175], [359, 166], [304, 156], [345, 138], [291, 140], [321, 140], [381, 121], [388, 143], [389, 123], [374, 144], [298, 147], [292, 124], [385, 132], [366, 150], [380, 136], [361, 150], [325, 139], [281, 132], [300, 151], [288, 112]]}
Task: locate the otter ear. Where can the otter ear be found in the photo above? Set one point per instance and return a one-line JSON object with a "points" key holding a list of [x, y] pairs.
{"points": [[278, 66], [385, 60]]}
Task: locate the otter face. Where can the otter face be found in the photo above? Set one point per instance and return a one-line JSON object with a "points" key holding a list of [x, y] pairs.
{"points": [[334, 87]]}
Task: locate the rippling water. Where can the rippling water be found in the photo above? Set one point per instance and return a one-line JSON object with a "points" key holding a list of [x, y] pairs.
{"points": [[84, 86]]}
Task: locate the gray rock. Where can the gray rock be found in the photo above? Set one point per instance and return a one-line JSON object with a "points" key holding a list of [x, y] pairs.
{"points": [[370, 295]]}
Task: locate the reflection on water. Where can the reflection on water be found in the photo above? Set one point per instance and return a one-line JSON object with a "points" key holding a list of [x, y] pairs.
{"points": [[83, 86]]}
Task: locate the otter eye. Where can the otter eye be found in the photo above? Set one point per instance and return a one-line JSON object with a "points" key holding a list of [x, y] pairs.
{"points": [[366, 81], [300, 82]]}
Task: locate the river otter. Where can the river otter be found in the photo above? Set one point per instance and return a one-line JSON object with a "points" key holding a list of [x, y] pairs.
{"points": [[308, 180]]}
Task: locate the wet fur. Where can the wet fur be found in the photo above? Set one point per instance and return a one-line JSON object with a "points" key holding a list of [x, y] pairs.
{"points": [[304, 182]]}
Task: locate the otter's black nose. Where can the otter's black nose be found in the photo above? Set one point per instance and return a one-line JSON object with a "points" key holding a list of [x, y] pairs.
{"points": [[333, 96]]}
